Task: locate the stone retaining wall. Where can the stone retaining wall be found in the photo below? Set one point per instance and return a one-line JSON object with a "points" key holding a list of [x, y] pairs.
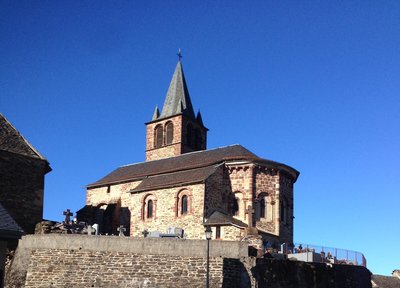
{"points": [[53, 260], [60, 260], [78, 268]]}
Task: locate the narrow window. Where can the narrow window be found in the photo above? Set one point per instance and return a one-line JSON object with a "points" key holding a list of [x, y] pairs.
{"points": [[158, 136], [218, 232], [184, 208], [262, 207], [235, 206], [150, 209], [170, 133]]}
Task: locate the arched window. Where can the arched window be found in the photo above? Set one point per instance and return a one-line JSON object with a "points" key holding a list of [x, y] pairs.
{"points": [[158, 136], [262, 207], [189, 134], [150, 209], [235, 206], [184, 205], [170, 133]]}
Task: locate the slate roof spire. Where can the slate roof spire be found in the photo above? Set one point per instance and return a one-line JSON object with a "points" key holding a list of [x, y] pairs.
{"points": [[156, 114], [178, 100]]}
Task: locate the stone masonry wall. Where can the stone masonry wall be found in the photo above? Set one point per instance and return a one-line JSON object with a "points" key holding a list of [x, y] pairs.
{"points": [[166, 211], [241, 182], [286, 199], [218, 193], [113, 194], [101, 261], [109, 261], [267, 185], [179, 143], [22, 188], [77, 268], [173, 149]]}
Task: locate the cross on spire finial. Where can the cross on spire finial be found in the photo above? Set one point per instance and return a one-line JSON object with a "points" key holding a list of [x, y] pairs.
{"points": [[179, 54]]}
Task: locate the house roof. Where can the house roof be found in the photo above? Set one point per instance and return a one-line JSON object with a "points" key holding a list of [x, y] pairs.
{"points": [[9, 229], [177, 100], [12, 141], [222, 219], [381, 281], [184, 162], [175, 179]]}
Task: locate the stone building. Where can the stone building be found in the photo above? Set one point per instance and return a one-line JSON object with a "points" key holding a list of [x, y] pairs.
{"points": [[22, 171], [9, 233], [182, 184]]}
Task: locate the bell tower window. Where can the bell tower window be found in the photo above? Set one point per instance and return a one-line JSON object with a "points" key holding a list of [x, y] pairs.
{"points": [[170, 133], [158, 136]]}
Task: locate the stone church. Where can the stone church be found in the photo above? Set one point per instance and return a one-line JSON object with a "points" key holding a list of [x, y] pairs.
{"points": [[182, 184]]}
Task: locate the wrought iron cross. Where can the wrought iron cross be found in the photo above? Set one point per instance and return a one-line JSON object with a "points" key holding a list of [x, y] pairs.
{"points": [[179, 54], [121, 229], [67, 215]]}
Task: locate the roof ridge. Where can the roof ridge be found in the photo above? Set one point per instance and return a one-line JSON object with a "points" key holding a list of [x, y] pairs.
{"points": [[187, 161], [181, 155]]}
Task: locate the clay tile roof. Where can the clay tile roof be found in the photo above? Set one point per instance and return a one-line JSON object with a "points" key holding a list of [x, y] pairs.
{"points": [[173, 164], [183, 162], [9, 229], [175, 179], [381, 281], [220, 218], [12, 141]]}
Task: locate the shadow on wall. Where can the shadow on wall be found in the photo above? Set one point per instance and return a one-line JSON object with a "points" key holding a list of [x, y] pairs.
{"points": [[286, 273], [108, 216], [235, 274]]}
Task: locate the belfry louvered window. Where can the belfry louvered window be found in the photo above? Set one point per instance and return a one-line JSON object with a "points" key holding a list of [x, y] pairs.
{"points": [[158, 136]]}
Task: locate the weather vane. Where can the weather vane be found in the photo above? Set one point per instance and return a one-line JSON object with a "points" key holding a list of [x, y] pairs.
{"points": [[179, 54]]}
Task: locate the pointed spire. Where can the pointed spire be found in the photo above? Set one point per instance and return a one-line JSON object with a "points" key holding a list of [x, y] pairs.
{"points": [[156, 114], [199, 120], [177, 100]]}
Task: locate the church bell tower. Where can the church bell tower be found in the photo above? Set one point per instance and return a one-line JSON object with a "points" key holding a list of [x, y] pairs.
{"points": [[176, 130]]}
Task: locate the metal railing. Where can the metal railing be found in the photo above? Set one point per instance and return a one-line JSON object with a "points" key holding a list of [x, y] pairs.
{"points": [[325, 254]]}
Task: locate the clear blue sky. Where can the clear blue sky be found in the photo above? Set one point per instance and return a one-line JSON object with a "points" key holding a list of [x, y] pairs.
{"points": [[312, 84]]}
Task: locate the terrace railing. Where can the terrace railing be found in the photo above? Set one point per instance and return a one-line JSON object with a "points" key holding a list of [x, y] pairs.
{"points": [[324, 254]]}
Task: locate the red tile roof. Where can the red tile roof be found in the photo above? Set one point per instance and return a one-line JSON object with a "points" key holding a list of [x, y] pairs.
{"points": [[175, 179], [184, 162]]}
